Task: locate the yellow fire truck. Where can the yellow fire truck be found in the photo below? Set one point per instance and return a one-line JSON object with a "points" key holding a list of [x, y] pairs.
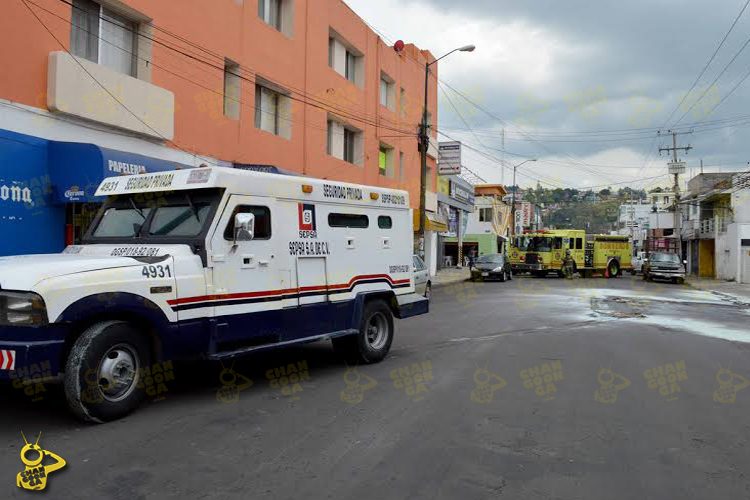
{"points": [[541, 252]]}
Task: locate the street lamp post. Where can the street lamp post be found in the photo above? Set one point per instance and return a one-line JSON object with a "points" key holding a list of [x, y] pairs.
{"points": [[513, 203], [424, 144]]}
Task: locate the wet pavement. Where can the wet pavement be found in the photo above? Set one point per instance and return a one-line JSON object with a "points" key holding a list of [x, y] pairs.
{"points": [[535, 388]]}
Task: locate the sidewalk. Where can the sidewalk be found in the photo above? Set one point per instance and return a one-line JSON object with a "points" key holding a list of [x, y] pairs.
{"points": [[450, 275], [734, 291]]}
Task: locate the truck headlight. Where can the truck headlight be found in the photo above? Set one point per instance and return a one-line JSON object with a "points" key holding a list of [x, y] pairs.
{"points": [[19, 309]]}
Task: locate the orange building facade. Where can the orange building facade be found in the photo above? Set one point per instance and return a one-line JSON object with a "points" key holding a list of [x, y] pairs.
{"points": [[302, 85]]}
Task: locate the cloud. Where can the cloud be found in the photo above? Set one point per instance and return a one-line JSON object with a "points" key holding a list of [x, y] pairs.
{"points": [[561, 75]]}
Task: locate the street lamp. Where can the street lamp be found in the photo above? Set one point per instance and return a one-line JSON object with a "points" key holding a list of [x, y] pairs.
{"points": [[424, 142], [513, 203]]}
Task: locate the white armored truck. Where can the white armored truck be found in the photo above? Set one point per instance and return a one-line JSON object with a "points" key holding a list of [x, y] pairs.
{"points": [[208, 263]]}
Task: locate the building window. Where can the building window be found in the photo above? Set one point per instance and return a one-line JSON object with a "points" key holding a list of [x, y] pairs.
{"points": [[666, 200], [272, 110], [279, 14], [401, 166], [348, 220], [403, 103], [344, 142], [270, 12], [232, 89], [350, 138], [345, 59], [387, 92], [104, 37], [485, 215], [385, 161]]}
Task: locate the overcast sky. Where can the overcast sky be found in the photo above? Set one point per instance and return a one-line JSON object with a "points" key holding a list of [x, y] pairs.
{"points": [[582, 85]]}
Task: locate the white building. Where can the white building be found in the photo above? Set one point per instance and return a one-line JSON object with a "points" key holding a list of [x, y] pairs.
{"points": [[716, 226]]}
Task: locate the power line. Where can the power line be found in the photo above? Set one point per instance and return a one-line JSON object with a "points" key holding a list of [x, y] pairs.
{"points": [[736, 55], [729, 93], [710, 60]]}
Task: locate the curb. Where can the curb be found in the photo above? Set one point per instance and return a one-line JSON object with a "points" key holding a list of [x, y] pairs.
{"points": [[735, 299]]}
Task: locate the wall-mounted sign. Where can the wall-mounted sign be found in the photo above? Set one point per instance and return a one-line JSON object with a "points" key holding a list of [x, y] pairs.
{"points": [[449, 158], [460, 193]]}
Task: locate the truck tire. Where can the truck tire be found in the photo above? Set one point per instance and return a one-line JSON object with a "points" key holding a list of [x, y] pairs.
{"points": [[613, 268], [372, 343], [103, 370]]}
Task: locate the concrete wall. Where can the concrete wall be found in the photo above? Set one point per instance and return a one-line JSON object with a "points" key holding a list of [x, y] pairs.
{"points": [[474, 226], [726, 254], [743, 255]]}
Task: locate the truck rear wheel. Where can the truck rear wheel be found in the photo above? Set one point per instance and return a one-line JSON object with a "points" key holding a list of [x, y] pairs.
{"points": [[103, 370], [613, 268], [374, 339]]}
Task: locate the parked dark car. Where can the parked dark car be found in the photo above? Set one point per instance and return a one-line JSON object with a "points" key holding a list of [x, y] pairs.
{"points": [[664, 266], [493, 266]]}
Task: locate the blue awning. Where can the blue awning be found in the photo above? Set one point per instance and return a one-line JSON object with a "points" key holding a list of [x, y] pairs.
{"points": [[76, 169]]}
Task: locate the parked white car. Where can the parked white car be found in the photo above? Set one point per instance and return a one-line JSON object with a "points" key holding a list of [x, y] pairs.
{"points": [[637, 262], [422, 278]]}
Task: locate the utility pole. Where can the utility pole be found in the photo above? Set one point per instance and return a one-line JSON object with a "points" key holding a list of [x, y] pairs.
{"points": [[424, 146], [674, 150], [502, 159]]}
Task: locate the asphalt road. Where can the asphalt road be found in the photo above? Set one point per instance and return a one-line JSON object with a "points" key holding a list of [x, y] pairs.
{"points": [[580, 389]]}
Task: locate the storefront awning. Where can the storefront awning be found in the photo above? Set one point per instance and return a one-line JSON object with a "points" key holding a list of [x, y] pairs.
{"points": [[76, 169], [434, 222]]}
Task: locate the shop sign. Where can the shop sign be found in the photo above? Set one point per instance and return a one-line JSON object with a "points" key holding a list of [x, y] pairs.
{"points": [[460, 193], [449, 158], [16, 194], [74, 193]]}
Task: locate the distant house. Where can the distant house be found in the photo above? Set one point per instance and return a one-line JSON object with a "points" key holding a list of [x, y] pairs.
{"points": [[715, 226], [488, 226]]}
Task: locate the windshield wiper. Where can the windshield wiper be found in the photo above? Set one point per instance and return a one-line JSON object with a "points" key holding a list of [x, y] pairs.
{"points": [[192, 207], [135, 207]]}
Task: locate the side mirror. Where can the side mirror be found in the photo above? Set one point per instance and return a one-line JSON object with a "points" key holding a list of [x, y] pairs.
{"points": [[244, 227]]}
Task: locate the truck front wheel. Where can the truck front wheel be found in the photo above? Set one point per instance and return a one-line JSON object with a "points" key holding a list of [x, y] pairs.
{"points": [[374, 339], [103, 370]]}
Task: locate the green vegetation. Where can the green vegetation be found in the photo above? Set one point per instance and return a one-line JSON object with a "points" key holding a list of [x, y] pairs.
{"points": [[594, 211]]}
